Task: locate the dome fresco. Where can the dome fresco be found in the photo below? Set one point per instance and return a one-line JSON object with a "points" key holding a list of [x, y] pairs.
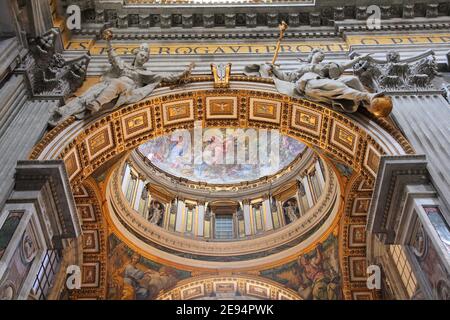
{"points": [[226, 156]]}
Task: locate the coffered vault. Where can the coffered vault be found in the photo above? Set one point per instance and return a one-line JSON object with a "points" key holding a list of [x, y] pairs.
{"points": [[369, 190]]}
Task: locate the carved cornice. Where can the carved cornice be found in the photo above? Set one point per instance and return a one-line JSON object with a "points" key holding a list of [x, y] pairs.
{"points": [[268, 289], [31, 175], [317, 14], [395, 173]]}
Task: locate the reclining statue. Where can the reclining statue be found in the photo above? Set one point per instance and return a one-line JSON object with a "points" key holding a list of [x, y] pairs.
{"points": [[322, 81], [128, 83]]}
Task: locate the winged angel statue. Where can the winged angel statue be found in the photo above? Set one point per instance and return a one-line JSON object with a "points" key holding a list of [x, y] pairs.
{"points": [[125, 83], [53, 73], [394, 73]]}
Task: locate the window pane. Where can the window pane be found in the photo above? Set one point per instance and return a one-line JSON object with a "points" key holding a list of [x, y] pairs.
{"points": [[224, 227]]}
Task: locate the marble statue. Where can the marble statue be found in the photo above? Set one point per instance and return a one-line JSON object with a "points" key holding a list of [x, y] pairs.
{"points": [[126, 83], [397, 74], [324, 82], [291, 210], [51, 72], [156, 211], [446, 91]]}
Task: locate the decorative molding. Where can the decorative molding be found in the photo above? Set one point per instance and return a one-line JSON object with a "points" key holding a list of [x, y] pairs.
{"points": [[396, 172], [93, 245], [248, 14], [245, 285], [352, 239]]}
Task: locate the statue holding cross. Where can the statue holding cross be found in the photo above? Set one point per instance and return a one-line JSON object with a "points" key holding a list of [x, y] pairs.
{"points": [[323, 81], [123, 84]]}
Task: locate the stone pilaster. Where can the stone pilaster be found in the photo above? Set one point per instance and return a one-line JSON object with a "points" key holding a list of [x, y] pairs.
{"points": [[179, 227], [424, 120], [247, 223], [42, 210], [407, 216]]}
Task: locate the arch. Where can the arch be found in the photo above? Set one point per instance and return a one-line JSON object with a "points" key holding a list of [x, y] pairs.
{"points": [[229, 287], [356, 140]]}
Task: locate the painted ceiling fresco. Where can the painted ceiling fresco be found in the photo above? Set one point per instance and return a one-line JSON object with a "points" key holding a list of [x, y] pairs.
{"points": [[134, 277], [222, 156], [315, 275]]}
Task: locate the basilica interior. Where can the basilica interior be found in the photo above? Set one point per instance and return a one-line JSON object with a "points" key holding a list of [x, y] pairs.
{"points": [[218, 150]]}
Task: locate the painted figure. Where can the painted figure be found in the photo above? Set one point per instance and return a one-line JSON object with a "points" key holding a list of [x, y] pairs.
{"points": [[135, 278], [317, 282]]}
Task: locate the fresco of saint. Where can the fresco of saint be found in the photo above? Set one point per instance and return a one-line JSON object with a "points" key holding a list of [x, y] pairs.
{"points": [[134, 277], [314, 275]]}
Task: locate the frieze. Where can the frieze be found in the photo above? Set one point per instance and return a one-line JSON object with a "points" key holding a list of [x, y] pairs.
{"points": [[289, 46], [312, 13]]}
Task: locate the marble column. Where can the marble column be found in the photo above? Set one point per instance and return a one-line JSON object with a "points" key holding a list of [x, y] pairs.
{"points": [[42, 17], [137, 198], [200, 218], [320, 174], [268, 223], [424, 120], [24, 127], [126, 178], [308, 193], [247, 224], [179, 227]]}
